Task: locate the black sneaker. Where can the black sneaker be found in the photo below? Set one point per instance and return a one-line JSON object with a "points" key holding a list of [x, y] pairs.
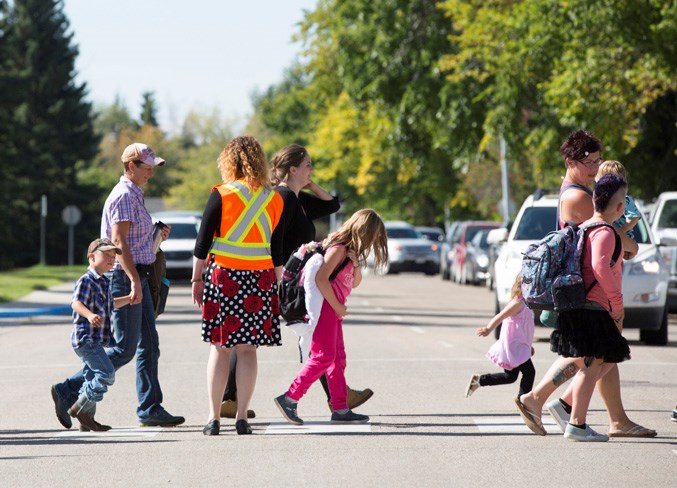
{"points": [[674, 415], [288, 410], [349, 417], [61, 409], [161, 418]]}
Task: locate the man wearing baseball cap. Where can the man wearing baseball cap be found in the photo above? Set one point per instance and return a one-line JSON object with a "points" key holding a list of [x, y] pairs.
{"points": [[127, 223]]}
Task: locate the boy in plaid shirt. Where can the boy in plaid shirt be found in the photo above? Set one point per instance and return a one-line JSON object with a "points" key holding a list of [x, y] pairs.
{"points": [[92, 304]]}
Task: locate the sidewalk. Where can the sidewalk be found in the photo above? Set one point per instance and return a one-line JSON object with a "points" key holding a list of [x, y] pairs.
{"points": [[54, 301]]}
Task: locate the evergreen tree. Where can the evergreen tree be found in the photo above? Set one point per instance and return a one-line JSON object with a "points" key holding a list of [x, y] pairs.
{"points": [[149, 110], [51, 132]]}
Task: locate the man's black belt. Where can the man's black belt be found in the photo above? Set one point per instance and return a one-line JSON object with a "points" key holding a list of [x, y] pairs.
{"points": [[144, 269]]}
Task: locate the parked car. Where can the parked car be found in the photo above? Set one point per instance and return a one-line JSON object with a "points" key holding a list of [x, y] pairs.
{"points": [[645, 277], [466, 233], [179, 246], [446, 247], [476, 266], [409, 251], [434, 234], [663, 220]]}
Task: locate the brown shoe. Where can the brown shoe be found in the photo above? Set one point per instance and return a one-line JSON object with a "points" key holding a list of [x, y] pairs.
{"points": [[99, 427], [355, 398], [358, 397], [229, 410]]}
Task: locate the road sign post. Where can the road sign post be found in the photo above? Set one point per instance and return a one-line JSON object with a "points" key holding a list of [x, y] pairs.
{"points": [[71, 216]]}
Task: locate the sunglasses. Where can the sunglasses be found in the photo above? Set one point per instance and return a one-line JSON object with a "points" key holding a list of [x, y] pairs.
{"points": [[590, 164]]}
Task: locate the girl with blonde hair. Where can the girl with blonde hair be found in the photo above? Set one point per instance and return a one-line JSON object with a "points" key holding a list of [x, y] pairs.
{"points": [[362, 234]]}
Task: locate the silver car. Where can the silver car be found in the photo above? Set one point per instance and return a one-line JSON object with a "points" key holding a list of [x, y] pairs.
{"points": [[409, 251]]}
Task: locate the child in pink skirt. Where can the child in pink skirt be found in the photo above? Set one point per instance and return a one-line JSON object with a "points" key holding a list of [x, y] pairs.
{"points": [[362, 234], [513, 350]]}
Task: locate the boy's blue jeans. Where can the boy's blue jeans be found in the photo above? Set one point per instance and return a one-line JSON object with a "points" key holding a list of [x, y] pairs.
{"points": [[134, 333], [98, 371]]}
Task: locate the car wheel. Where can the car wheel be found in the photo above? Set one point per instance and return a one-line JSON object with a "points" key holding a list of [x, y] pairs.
{"points": [[656, 337], [444, 273]]}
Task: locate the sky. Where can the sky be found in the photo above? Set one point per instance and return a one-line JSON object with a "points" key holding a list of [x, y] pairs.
{"points": [[194, 55]]}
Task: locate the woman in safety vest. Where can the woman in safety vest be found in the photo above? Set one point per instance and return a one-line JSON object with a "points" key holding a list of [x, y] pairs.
{"points": [[238, 295]]}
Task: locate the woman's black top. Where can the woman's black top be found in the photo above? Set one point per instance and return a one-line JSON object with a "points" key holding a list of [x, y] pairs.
{"points": [[295, 226], [297, 218]]}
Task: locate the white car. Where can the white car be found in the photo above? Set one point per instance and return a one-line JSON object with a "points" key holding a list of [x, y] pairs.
{"points": [[179, 246], [645, 277], [663, 220], [409, 251]]}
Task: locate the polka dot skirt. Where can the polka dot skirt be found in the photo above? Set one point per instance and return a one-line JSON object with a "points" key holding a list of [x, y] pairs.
{"points": [[240, 307]]}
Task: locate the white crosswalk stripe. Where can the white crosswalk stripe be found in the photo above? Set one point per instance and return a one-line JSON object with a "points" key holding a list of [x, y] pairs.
{"points": [[116, 432], [317, 428], [511, 425]]}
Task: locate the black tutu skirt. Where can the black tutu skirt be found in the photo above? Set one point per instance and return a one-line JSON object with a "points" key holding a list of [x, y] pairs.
{"points": [[589, 334]]}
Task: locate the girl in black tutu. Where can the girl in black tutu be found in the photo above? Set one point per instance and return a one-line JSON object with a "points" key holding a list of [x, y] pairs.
{"points": [[592, 335]]}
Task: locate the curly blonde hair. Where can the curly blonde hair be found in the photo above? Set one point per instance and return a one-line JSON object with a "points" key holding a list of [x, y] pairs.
{"points": [[362, 233], [244, 158]]}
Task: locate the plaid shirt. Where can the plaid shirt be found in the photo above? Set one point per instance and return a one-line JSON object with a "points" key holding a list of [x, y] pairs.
{"points": [[94, 293], [125, 204]]}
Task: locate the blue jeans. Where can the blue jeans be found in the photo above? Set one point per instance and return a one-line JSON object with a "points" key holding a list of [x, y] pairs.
{"points": [[134, 333], [98, 371]]}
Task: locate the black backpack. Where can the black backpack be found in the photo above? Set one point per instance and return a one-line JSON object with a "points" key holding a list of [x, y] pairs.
{"points": [[291, 292]]}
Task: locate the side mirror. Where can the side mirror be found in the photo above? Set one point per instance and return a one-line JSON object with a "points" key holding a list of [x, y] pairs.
{"points": [[497, 235]]}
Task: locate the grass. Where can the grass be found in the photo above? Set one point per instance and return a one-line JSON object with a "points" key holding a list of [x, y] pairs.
{"points": [[16, 283]]}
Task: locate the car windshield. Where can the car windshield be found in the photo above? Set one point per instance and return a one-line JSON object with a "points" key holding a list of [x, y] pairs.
{"points": [[472, 231], [183, 231], [536, 222], [668, 215], [402, 233], [480, 239], [431, 235]]}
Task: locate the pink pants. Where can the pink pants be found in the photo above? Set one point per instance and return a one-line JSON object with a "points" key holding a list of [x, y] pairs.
{"points": [[327, 355]]}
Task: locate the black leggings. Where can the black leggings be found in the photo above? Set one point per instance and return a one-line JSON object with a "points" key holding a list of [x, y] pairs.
{"points": [[510, 376], [231, 388]]}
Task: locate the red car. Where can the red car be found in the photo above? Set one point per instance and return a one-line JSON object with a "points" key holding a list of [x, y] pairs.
{"points": [[457, 252]]}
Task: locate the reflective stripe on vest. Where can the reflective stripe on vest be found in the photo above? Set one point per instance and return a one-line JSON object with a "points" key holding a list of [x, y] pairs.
{"points": [[232, 244]]}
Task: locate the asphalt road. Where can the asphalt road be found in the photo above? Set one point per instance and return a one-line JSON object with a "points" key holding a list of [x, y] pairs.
{"points": [[409, 337]]}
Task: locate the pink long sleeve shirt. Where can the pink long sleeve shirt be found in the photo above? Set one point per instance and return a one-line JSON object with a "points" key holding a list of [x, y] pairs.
{"points": [[599, 248]]}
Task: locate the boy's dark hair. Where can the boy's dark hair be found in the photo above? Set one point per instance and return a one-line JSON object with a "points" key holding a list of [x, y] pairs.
{"points": [[605, 189], [579, 144]]}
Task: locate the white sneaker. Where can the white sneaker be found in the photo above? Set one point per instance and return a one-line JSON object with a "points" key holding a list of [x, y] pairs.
{"points": [[584, 435], [558, 413]]}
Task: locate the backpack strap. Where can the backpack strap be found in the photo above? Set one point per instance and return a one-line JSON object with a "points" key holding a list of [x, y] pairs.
{"points": [[561, 192], [338, 269]]}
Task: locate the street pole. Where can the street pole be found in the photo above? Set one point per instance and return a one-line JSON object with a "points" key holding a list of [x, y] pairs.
{"points": [[43, 221], [504, 181]]}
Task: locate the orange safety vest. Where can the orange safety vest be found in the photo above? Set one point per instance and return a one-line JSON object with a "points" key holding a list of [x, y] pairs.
{"points": [[248, 218]]}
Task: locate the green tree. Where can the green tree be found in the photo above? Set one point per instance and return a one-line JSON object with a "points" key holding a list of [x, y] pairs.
{"points": [[149, 110], [51, 130], [549, 67]]}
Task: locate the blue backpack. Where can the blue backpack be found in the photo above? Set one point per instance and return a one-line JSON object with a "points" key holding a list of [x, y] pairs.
{"points": [[551, 269]]}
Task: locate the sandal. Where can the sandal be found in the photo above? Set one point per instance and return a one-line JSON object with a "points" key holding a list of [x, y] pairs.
{"points": [[473, 385], [636, 431], [532, 420]]}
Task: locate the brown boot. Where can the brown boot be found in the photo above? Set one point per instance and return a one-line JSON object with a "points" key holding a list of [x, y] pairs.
{"points": [[355, 398], [99, 427], [358, 397], [229, 410]]}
